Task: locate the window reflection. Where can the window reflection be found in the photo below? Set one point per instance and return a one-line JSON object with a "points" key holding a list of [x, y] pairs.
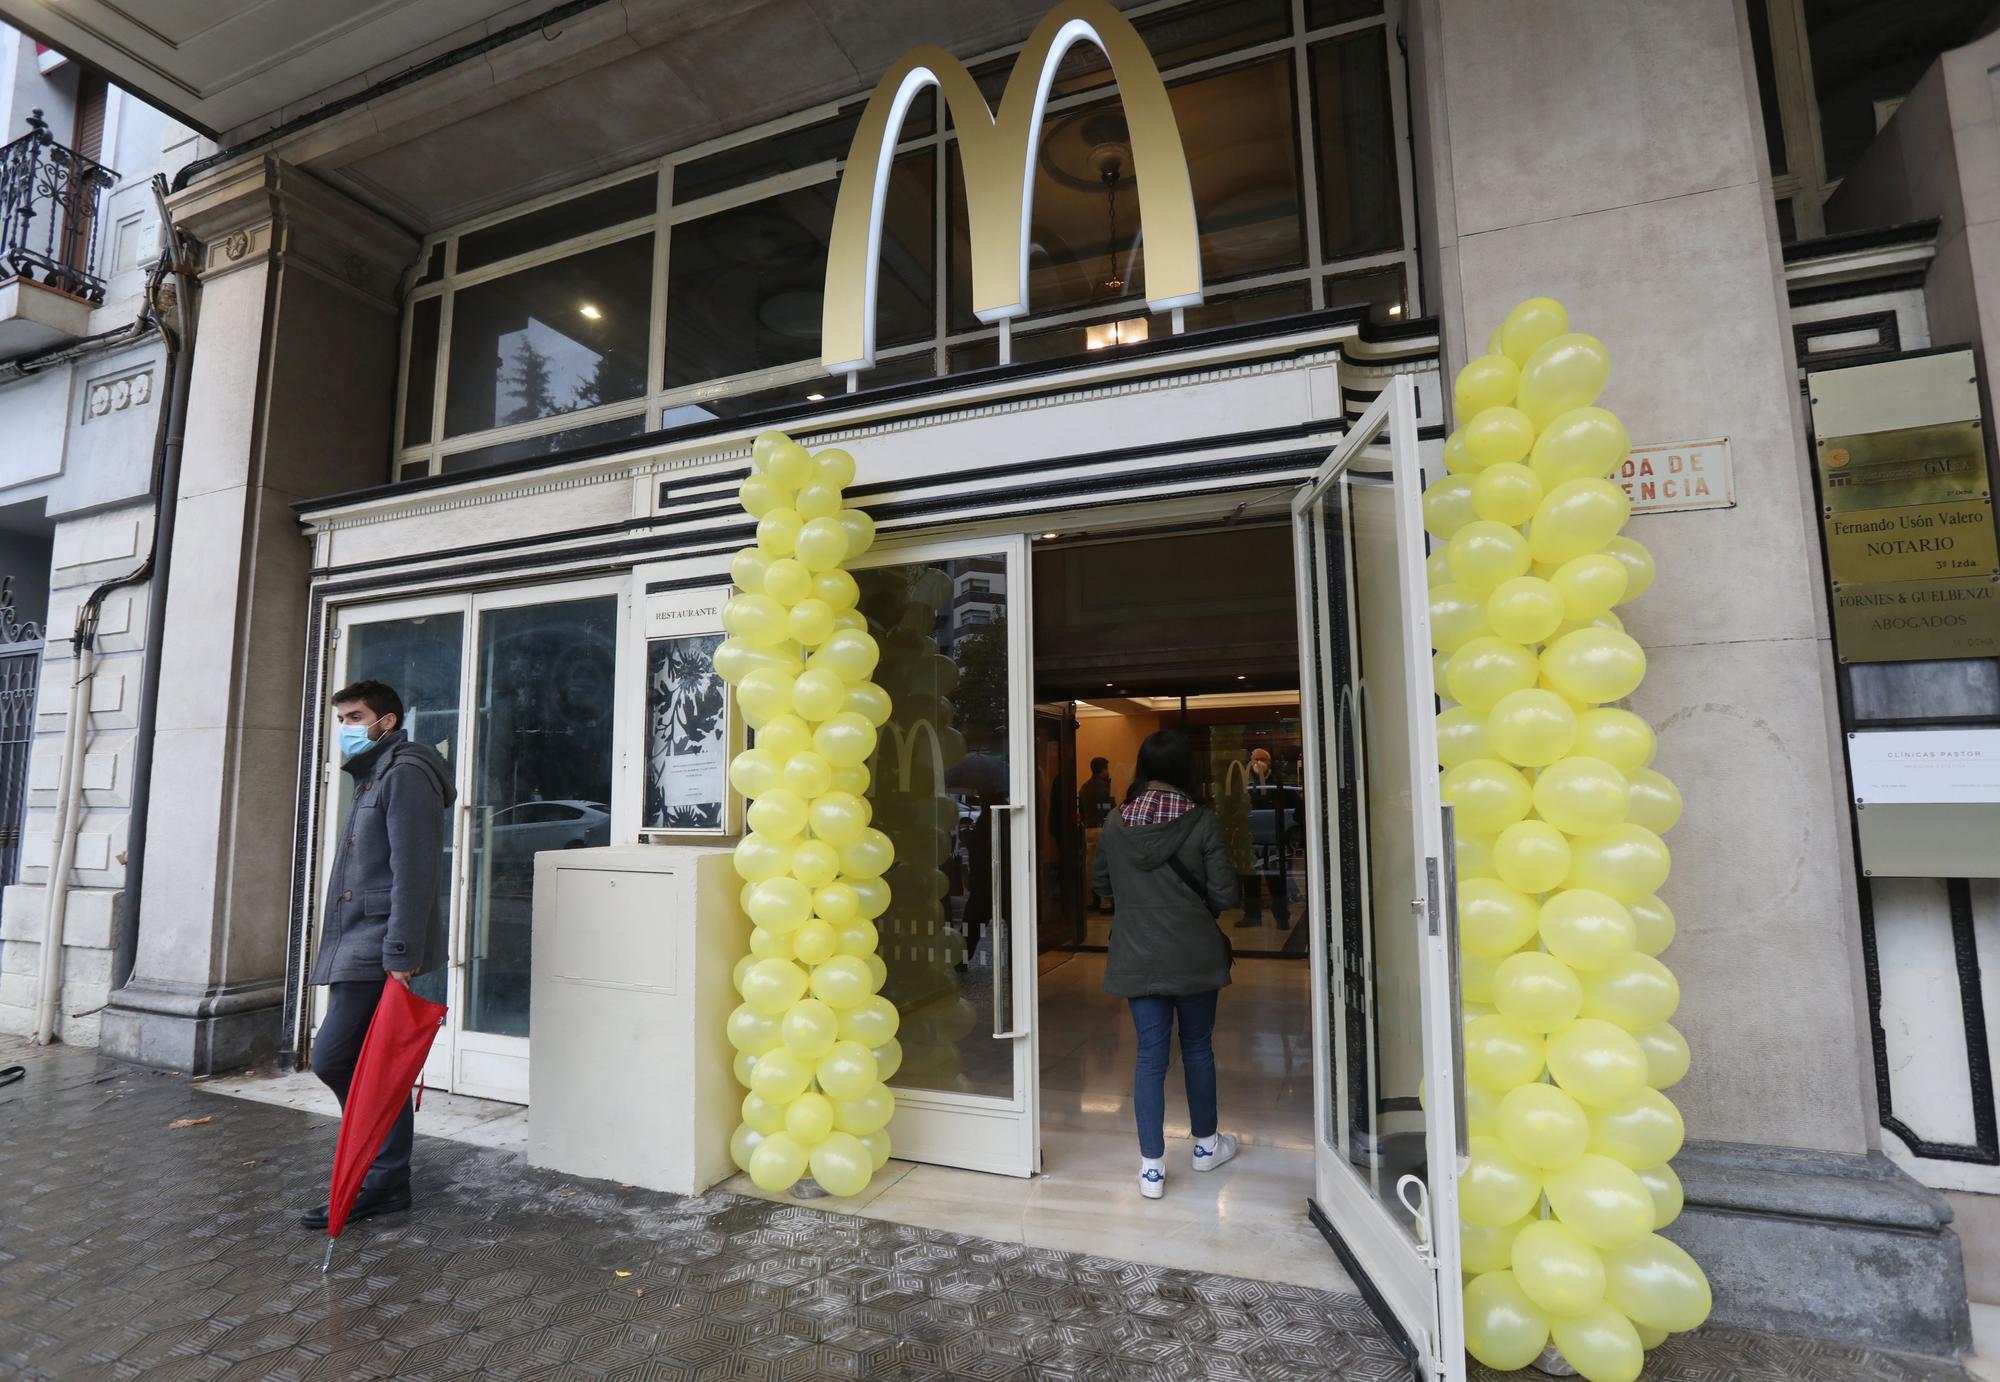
{"points": [[1354, 133], [551, 339]]}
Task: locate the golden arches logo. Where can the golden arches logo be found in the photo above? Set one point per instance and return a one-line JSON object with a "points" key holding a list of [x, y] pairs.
{"points": [[998, 157], [906, 750]]}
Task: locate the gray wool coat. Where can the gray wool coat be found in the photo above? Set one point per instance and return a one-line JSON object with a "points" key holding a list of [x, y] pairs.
{"points": [[1164, 940], [382, 909]]}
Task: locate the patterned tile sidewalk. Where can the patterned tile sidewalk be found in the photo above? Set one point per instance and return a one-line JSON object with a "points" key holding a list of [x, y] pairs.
{"points": [[128, 1249]]}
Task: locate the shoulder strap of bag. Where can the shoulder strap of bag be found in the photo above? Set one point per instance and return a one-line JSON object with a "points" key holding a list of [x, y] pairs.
{"points": [[1186, 875]]}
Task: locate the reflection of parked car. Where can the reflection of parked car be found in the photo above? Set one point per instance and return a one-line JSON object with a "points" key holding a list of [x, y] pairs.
{"points": [[1266, 803], [523, 831]]}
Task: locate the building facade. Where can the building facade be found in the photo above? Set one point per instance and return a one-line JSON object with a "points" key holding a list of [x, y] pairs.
{"points": [[489, 314]]}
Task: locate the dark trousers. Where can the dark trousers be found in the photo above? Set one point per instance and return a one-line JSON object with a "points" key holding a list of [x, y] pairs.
{"points": [[1153, 1018], [349, 1007]]}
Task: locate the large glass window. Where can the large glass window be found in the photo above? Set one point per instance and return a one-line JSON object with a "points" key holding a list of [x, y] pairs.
{"points": [[641, 315]]}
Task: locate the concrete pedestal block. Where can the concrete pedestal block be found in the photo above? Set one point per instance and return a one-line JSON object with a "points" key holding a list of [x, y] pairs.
{"points": [[197, 1030], [1824, 1245]]}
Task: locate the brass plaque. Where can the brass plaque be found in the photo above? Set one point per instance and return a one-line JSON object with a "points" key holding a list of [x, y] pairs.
{"points": [[1917, 621], [1920, 542], [1913, 465]]}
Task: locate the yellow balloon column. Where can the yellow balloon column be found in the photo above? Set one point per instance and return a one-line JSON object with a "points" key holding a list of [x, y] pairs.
{"points": [[1559, 821], [815, 1041]]}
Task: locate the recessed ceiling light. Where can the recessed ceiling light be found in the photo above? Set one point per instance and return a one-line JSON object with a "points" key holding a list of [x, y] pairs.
{"points": [[1050, 537], [1395, 309], [815, 398], [590, 312]]}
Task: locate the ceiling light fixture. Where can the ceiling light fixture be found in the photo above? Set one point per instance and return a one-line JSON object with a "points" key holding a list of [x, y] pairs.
{"points": [[591, 312], [1051, 537], [1395, 309], [815, 398]]}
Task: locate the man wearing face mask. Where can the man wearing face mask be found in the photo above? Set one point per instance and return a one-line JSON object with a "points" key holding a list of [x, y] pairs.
{"points": [[382, 922]]}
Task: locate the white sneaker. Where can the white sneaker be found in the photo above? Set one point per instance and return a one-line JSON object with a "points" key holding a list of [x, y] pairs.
{"points": [[1225, 1148], [1152, 1184]]}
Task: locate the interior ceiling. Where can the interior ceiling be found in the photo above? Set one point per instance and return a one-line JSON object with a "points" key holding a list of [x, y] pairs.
{"points": [[583, 88]]}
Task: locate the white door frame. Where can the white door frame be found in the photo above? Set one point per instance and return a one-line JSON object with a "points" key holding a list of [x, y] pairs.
{"points": [[980, 1132], [1414, 1279]]}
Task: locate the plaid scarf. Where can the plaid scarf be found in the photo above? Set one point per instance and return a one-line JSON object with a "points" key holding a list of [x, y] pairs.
{"points": [[1156, 807]]}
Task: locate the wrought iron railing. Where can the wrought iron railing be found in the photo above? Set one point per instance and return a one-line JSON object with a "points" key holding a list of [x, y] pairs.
{"points": [[48, 212]]}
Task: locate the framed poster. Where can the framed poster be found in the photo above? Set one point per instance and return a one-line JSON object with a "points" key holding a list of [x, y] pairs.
{"points": [[689, 731]]}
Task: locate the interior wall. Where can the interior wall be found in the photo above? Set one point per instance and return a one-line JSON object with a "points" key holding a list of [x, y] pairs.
{"points": [[1116, 737]]}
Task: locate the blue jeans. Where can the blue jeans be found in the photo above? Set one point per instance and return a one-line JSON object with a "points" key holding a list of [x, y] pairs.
{"points": [[1153, 1019]]}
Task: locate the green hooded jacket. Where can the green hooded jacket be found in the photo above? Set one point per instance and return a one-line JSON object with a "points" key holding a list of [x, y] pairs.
{"points": [[1164, 939]]}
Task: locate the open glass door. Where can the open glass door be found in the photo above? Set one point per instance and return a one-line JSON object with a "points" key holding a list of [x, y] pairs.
{"points": [[952, 781], [1385, 1010]]}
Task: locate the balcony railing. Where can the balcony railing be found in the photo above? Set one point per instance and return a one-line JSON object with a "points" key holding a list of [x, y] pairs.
{"points": [[48, 213]]}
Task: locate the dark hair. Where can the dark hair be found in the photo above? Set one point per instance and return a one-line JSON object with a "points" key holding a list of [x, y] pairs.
{"points": [[380, 698], [1098, 765], [1168, 757]]}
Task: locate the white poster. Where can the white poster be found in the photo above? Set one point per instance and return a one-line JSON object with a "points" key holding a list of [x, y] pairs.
{"points": [[687, 713], [1917, 766]]}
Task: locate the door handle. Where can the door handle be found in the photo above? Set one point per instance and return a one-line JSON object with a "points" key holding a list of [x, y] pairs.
{"points": [[1449, 883], [1003, 930]]}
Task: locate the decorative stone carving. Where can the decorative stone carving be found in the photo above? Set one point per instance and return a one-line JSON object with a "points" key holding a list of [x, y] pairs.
{"points": [[114, 393], [236, 245]]}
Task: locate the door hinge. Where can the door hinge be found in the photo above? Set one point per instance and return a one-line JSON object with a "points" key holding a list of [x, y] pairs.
{"points": [[1431, 893]]}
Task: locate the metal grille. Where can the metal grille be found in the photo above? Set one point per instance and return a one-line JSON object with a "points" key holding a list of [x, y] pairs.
{"points": [[20, 670]]}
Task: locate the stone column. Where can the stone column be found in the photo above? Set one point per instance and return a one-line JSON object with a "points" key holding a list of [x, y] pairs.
{"points": [[293, 397], [1610, 153]]}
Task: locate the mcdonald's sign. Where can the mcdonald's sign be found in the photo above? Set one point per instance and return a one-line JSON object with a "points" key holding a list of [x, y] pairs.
{"points": [[998, 153]]}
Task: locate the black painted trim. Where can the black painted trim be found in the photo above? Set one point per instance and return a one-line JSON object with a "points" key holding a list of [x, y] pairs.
{"points": [[1859, 288], [1392, 1326], [1888, 341], [1847, 242], [944, 388]]}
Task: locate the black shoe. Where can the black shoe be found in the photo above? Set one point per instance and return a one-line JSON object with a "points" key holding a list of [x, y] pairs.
{"points": [[367, 1205]]}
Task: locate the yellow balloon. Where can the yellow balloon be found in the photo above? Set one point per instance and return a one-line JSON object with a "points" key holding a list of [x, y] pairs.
{"points": [[1576, 518], [763, 445], [1626, 863], [1585, 928], [764, 694], [814, 862], [809, 1028], [888, 1059], [1667, 1055], [771, 986], [842, 982], [752, 1032], [741, 1065], [787, 463], [1475, 979], [759, 495], [1495, 436], [1601, 1201], [1500, 1055], [1649, 1337], [1496, 1189], [785, 736], [1589, 585], [1487, 795], [1503, 1328], [1619, 737], [1472, 856], [1524, 609], [872, 1022], [770, 945], [817, 694], [1559, 1271], [838, 818], [860, 531], [778, 532], [747, 569], [1487, 668], [1582, 444], [1458, 459], [780, 904], [1665, 1188], [743, 1144], [869, 856], [811, 621], [1483, 553], [1437, 571], [1593, 666], [1494, 919], [816, 942], [833, 467], [1581, 796], [1483, 1249], [1531, 855], [1532, 728], [1487, 381], [837, 589], [1532, 324], [1656, 802], [1543, 1126], [1537, 991], [809, 1118], [1507, 492], [872, 893], [1601, 1344], [1597, 1064], [778, 1162], [780, 814], [1634, 991], [761, 1114], [839, 906], [781, 1075], [1638, 564], [817, 500], [759, 856], [822, 544], [736, 657], [1458, 615], [1461, 736], [877, 1144], [759, 620], [1482, 1110], [869, 1113], [1655, 923], [787, 581], [1643, 1131], [1448, 506], [1565, 372], [841, 1164], [870, 702], [851, 655], [1657, 1284], [847, 1070]]}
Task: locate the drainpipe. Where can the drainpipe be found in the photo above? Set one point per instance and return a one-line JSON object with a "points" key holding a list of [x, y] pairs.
{"points": [[166, 497], [69, 800]]}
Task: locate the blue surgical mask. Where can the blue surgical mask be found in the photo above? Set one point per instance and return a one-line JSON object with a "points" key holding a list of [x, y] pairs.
{"points": [[354, 739]]}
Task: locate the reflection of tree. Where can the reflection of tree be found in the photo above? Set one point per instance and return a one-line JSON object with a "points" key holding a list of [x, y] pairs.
{"points": [[982, 680], [530, 383], [612, 379]]}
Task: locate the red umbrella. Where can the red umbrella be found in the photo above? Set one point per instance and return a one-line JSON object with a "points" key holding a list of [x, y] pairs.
{"points": [[392, 1055]]}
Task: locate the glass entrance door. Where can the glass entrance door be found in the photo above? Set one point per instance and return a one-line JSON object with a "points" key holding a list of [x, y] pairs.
{"points": [[1385, 1015], [517, 691], [952, 783]]}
